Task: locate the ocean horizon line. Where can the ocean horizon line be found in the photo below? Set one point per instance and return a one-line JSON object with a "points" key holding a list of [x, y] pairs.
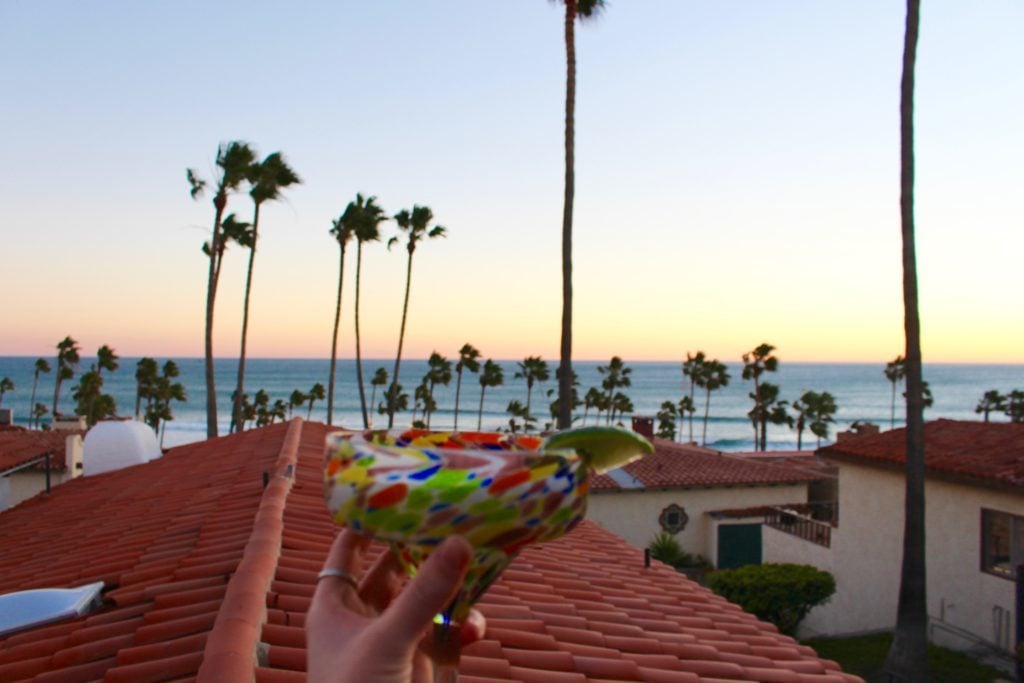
{"points": [[551, 360]]}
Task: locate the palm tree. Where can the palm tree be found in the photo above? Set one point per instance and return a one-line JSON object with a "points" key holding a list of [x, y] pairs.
{"points": [[992, 400], [592, 399], [67, 361], [616, 375], [908, 655], [343, 229], [491, 375], [533, 369], [91, 402], [1015, 405], [620, 405], [693, 366], [380, 379], [231, 230], [296, 400], [416, 224], [756, 363], [369, 216], [769, 409], [895, 371], [555, 405], [38, 412], [106, 359], [266, 178], [803, 408], [439, 372], [145, 383], [6, 384], [468, 356], [686, 408], [41, 366], [582, 9], [159, 412], [421, 398], [234, 159], [822, 410], [394, 396], [517, 409], [316, 393], [667, 421], [715, 376]]}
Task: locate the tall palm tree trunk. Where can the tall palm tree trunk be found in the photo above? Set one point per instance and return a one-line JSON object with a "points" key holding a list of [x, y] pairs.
{"points": [[56, 392], [35, 384], [907, 657], [219, 202], [565, 356], [236, 413], [359, 357], [480, 414], [704, 431], [334, 345], [401, 339], [692, 387], [458, 390], [892, 423]]}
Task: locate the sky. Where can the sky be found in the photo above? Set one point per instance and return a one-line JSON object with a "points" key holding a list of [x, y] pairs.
{"points": [[737, 175]]}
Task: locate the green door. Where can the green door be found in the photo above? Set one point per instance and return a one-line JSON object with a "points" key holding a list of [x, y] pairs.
{"points": [[738, 544]]}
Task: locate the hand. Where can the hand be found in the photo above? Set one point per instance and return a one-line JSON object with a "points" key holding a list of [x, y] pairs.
{"points": [[379, 633]]}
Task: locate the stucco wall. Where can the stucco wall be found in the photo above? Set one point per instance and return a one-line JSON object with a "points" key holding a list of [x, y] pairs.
{"points": [[867, 551], [634, 514], [21, 485]]}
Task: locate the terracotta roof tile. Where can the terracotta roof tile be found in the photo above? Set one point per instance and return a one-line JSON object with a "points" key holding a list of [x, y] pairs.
{"points": [[675, 465], [206, 567], [19, 446], [987, 452]]}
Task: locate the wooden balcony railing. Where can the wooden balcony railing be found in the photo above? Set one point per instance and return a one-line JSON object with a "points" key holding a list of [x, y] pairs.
{"points": [[806, 528]]}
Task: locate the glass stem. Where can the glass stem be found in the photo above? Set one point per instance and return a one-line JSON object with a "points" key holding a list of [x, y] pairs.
{"points": [[446, 652]]}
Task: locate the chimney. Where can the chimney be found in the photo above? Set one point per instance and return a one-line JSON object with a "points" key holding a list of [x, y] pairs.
{"points": [[857, 429], [644, 426]]}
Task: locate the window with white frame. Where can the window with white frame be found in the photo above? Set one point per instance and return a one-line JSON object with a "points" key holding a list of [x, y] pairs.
{"points": [[1002, 543]]}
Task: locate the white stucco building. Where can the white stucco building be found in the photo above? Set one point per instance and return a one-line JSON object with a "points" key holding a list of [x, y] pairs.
{"points": [[974, 533], [713, 503], [23, 458]]}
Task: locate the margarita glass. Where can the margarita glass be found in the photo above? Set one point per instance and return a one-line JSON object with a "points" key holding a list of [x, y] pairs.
{"points": [[414, 488]]}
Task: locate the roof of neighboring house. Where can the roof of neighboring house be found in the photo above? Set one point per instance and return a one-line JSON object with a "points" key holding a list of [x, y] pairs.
{"points": [[807, 461], [983, 452], [210, 575], [676, 465], [19, 446]]}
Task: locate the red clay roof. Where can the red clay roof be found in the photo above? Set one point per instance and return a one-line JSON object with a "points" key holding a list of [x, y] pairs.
{"points": [[19, 446], [992, 452], [676, 465], [211, 575]]}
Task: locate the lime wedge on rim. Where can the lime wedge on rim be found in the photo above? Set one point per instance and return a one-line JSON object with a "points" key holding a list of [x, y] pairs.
{"points": [[604, 448]]}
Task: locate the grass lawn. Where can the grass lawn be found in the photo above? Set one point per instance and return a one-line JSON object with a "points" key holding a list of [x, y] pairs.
{"points": [[865, 655]]}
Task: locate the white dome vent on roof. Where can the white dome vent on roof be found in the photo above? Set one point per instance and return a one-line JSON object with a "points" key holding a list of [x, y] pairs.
{"points": [[113, 445]]}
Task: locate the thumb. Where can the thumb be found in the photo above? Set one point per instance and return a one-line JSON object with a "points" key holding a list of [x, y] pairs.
{"points": [[429, 593]]}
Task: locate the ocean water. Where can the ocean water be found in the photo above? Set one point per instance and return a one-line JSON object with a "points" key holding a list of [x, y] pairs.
{"points": [[861, 391]]}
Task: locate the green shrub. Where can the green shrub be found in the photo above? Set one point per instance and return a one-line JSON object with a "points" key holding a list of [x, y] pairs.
{"points": [[780, 593], [665, 548]]}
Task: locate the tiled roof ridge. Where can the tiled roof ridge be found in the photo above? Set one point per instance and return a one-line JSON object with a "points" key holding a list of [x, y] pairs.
{"points": [[969, 451], [230, 652]]}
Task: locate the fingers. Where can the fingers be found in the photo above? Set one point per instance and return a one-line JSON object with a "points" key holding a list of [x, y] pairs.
{"points": [[345, 555], [382, 582], [430, 592], [473, 628]]}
